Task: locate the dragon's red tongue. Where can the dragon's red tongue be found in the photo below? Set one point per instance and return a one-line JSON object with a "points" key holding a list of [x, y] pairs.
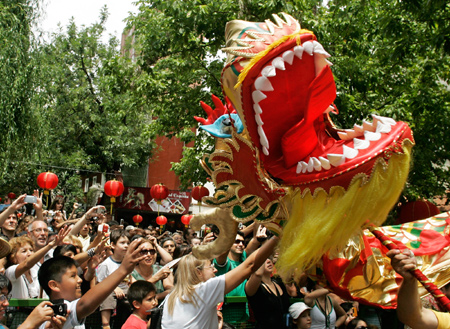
{"points": [[300, 140]]}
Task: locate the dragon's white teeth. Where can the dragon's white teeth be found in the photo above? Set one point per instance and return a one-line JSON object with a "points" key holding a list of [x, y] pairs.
{"points": [[262, 137], [316, 163], [298, 170], [369, 126], [318, 49], [257, 108], [384, 120], [358, 129], [325, 163], [328, 62], [352, 133], [298, 51], [372, 136], [343, 136], [360, 144], [310, 165], [336, 159], [349, 152], [304, 166], [278, 63], [265, 150], [258, 96], [288, 56], [269, 71], [383, 128], [309, 47], [258, 119], [263, 84]]}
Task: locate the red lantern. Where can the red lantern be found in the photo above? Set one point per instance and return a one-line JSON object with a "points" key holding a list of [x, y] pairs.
{"points": [[186, 219], [199, 192], [412, 211], [137, 219], [1, 199], [159, 192], [161, 221], [11, 195], [113, 189], [47, 181]]}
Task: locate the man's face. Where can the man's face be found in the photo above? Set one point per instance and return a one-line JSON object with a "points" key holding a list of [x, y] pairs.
{"points": [[85, 230], [5, 303], [238, 245], [11, 223], [39, 234], [178, 239], [70, 285]]}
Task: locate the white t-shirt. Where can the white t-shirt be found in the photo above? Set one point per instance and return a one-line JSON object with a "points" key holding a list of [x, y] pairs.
{"points": [[72, 318], [106, 268], [187, 315], [21, 288]]}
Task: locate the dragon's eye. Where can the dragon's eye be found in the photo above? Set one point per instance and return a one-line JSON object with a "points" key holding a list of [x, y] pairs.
{"points": [[227, 122]]}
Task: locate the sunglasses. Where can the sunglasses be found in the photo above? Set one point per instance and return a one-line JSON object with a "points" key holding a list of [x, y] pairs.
{"points": [[4, 298], [148, 251], [239, 241]]}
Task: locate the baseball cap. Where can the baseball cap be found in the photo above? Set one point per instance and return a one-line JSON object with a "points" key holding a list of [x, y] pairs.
{"points": [[298, 308]]}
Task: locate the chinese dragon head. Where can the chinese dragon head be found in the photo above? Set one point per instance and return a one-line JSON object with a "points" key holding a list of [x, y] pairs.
{"points": [[280, 160]]}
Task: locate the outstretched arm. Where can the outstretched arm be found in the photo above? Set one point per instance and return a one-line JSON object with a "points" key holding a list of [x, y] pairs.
{"points": [[16, 205], [89, 302], [250, 265], [409, 308]]}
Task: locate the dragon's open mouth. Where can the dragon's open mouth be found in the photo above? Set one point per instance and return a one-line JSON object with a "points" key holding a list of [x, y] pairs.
{"points": [[293, 89]]}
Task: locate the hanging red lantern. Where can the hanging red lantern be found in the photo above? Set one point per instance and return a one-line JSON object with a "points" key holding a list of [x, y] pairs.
{"points": [[47, 181], [159, 192], [11, 195], [198, 193], [186, 219], [1, 199], [137, 219], [161, 221], [113, 189]]}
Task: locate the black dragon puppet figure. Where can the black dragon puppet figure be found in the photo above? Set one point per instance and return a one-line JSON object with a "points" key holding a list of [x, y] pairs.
{"points": [[279, 160]]}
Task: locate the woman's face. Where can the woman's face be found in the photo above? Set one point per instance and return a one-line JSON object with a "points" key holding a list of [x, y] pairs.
{"points": [[59, 205], [304, 320], [169, 246], [268, 266], [150, 254], [23, 253], [208, 271]]}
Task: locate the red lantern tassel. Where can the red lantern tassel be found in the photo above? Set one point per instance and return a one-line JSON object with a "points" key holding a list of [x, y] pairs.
{"points": [[430, 286]]}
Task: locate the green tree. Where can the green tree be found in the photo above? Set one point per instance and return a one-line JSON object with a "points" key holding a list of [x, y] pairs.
{"points": [[391, 58]]}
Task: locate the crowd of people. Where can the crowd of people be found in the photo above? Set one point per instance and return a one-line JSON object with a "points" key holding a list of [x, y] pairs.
{"points": [[86, 261]]}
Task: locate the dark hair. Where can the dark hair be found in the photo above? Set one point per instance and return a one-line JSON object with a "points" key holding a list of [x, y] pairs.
{"points": [[117, 234], [54, 269], [168, 238], [353, 323], [241, 234], [5, 283], [139, 290], [347, 306], [61, 250], [57, 199]]}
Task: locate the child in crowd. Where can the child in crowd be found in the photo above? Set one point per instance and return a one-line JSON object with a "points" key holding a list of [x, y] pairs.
{"points": [[58, 277], [119, 240], [300, 314], [142, 298]]}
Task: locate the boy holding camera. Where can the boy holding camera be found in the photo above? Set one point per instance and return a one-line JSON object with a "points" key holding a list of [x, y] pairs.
{"points": [[58, 277], [142, 297]]}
